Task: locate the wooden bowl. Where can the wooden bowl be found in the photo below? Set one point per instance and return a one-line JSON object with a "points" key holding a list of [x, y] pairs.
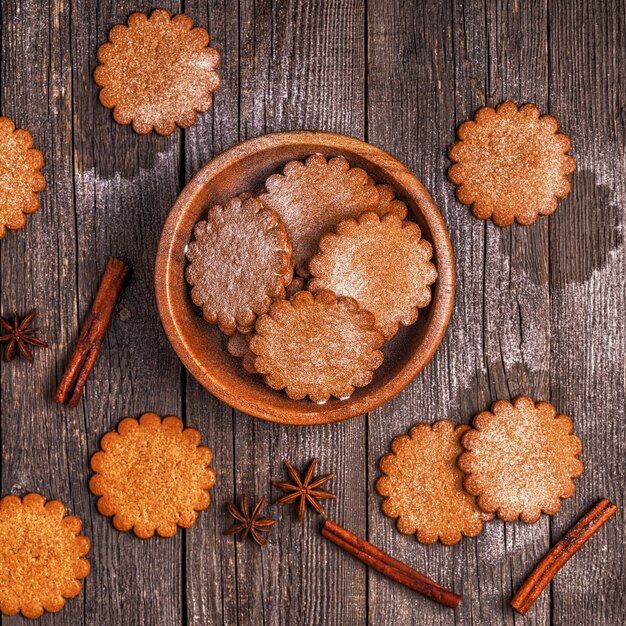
{"points": [[202, 347]]}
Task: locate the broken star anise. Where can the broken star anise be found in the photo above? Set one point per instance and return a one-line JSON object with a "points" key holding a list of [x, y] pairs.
{"points": [[19, 336], [249, 522], [305, 489]]}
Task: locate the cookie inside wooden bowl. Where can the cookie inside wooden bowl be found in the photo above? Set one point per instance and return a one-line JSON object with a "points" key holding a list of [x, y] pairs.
{"points": [[202, 347]]}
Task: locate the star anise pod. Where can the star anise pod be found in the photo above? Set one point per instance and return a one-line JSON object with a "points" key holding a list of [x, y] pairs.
{"points": [[305, 489], [20, 336], [249, 521]]}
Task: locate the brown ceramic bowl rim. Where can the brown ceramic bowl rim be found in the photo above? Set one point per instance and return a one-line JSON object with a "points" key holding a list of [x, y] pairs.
{"points": [[243, 397]]}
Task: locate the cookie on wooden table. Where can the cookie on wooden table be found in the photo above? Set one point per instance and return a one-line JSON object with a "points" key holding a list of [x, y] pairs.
{"points": [[312, 197], [316, 346], [158, 72], [152, 475], [511, 164], [422, 485], [239, 261], [20, 176], [383, 263], [520, 459], [42, 555]]}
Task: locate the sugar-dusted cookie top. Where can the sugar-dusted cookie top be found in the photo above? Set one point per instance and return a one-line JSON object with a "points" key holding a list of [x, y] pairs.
{"points": [[520, 459], [157, 72], [20, 176], [152, 475], [312, 197], [240, 260], [317, 346], [42, 555], [422, 485], [511, 164], [383, 263]]}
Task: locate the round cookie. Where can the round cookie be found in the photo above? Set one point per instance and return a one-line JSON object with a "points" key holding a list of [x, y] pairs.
{"points": [[317, 346], [239, 261], [383, 263], [157, 72], [520, 459], [152, 475], [511, 164], [20, 176], [422, 485], [42, 555], [312, 197]]}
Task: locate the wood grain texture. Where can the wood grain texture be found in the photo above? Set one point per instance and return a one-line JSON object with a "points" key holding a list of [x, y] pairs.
{"points": [[124, 185], [587, 285], [411, 113], [516, 319], [210, 558], [539, 309], [44, 448]]}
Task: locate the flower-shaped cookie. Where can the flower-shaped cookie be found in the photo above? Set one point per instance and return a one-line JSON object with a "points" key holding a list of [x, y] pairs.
{"points": [[152, 474], [422, 485], [317, 346], [20, 176], [383, 263], [312, 197], [521, 459], [511, 164], [157, 72], [239, 261], [42, 555]]}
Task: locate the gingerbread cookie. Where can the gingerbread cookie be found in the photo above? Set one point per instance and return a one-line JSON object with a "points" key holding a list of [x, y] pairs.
{"points": [[311, 197], [511, 164], [239, 261], [422, 485], [152, 475], [157, 72], [20, 176], [42, 555], [383, 263], [317, 346], [521, 459]]}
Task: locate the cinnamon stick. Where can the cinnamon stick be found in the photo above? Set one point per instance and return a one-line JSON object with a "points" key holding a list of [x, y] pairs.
{"points": [[387, 565], [563, 550], [92, 333]]}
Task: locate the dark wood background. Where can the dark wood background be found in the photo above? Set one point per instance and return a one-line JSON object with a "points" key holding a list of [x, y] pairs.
{"points": [[539, 309]]}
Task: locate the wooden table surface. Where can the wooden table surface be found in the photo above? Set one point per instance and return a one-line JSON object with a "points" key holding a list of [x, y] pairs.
{"points": [[539, 309]]}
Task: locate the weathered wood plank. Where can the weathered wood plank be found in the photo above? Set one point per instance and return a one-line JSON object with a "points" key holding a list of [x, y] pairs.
{"points": [[42, 449], [423, 58], [124, 185], [516, 297], [302, 66], [211, 595], [587, 270]]}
